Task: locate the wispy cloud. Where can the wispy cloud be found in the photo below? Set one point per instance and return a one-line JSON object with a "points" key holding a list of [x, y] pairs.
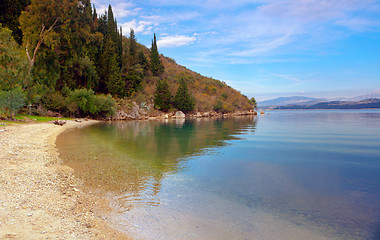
{"points": [[175, 41]]}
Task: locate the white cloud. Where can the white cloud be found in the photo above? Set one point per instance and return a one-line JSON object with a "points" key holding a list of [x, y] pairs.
{"points": [[175, 41], [144, 27]]}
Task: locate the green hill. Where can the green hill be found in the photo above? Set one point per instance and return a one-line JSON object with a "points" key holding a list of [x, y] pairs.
{"points": [[69, 58]]}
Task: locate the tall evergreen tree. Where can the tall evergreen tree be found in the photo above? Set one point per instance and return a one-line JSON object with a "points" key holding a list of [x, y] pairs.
{"points": [[132, 47], [162, 97], [155, 63], [183, 100], [143, 61]]}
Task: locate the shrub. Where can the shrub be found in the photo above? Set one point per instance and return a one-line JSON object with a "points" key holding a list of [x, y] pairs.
{"points": [[83, 102], [105, 105], [54, 101], [11, 101], [218, 107]]}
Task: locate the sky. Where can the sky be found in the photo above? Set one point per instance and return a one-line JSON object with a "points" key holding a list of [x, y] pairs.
{"points": [[265, 48]]}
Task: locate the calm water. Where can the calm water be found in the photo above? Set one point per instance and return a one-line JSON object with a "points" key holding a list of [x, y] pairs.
{"points": [[287, 175]]}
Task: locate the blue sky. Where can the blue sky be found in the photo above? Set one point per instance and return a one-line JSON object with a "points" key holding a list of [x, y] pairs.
{"points": [[265, 48]]}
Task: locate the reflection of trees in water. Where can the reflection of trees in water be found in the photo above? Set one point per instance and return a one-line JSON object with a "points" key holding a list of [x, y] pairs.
{"points": [[134, 156]]}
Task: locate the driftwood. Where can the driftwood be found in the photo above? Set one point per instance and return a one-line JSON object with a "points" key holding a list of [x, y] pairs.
{"points": [[60, 123]]}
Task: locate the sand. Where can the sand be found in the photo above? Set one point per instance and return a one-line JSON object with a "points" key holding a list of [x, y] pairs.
{"points": [[39, 197]]}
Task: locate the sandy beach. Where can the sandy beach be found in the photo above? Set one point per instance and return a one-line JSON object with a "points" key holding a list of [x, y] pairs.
{"points": [[39, 197]]}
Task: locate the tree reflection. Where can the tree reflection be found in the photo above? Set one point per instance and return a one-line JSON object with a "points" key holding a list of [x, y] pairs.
{"points": [[133, 157]]}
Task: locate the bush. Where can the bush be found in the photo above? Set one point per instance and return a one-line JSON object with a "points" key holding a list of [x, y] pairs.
{"points": [[218, 107], [105, 105], [83, 102], [11, 101], [54, 101]]}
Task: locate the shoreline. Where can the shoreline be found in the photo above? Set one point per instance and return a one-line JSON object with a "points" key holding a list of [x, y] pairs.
{"points": [[40, 197]]}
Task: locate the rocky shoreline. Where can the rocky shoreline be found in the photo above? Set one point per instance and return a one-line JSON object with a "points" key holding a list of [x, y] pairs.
{"points": [[142, 113]]}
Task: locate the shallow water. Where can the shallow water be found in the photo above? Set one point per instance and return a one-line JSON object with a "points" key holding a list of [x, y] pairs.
{"points": [[287, 175]]}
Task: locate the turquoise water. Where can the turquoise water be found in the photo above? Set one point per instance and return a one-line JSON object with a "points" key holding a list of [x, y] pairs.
{"points": [[286, 175]]}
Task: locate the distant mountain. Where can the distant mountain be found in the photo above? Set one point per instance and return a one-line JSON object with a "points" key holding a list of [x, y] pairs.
{"points": [[363, 104], [367, 96], [294, 100]]}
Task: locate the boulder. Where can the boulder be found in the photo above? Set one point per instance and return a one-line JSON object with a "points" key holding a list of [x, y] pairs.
{"points": [[179, 115], [199, 115]]}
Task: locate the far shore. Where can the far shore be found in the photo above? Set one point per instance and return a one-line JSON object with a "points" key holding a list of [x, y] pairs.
{"points": [[40, 198]]}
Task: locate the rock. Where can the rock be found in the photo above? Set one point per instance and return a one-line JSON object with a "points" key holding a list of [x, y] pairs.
{"points": [[179, 115], [165, 116], [120, 115], [206, 114], [134, 114], [198, 115]]}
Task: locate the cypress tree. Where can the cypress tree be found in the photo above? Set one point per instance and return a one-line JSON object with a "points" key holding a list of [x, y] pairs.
{"points": [[183, 100], [155, 63], [132, 46], [162, 97]]}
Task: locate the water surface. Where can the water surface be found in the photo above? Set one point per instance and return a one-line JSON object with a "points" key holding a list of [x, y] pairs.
{"points": [[287, 175]]}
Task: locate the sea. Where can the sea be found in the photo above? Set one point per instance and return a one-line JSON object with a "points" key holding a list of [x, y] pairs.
{"points": [[287, 174]]}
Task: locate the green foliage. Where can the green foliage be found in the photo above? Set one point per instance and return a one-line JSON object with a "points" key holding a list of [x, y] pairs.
{"points": [[143, 61], [218, 107], [11, 101], [162, 97], [82, 73], [10, 11], [54, 101], [224, 96], [156, 65], [83, 102], [13, 62], [183, 100], [105, 105], [254, 103]]}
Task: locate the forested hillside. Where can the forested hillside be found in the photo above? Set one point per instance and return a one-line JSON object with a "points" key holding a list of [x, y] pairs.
{"points": [[63, 56]]}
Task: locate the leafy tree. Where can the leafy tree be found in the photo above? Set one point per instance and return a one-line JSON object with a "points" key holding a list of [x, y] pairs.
{"points": [[155, 63], [38, 22], [10, 11], [254, 103], [162, 97], [13, 62], [183, 100]]}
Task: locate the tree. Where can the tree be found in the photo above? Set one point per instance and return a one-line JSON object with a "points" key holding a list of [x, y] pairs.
{"points": [[38, 22], [13, 62], [155, 63], [183, 100], [254, 103], [143, 61], [10, 11], [132, 47], [162, 97]]}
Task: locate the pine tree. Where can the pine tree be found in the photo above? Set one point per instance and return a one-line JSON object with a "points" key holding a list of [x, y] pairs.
{"points": [[162, 97], [155, 63], [183, 100]]}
